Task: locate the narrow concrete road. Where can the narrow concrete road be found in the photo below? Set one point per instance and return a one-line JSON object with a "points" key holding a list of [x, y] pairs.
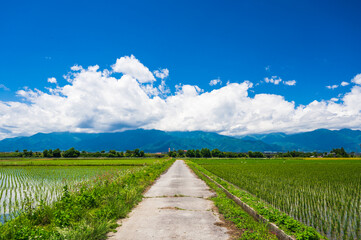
{"points": [[175, 207]]}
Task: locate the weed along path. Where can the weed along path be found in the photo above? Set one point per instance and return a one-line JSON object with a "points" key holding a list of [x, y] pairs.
{"points": [[175, 207]]}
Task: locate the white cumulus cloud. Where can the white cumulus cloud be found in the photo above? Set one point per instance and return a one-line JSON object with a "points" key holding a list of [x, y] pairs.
{"points": [[52, 80], [290, 82], [215, 82], [343, 84], [357, 79], [162, 73], [76, 68], [332, 87], [132, 67], [95, 100], [274, 79], [277, 80]]}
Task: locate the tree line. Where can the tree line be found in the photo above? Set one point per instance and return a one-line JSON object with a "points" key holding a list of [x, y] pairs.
{"points": [[192, 153], [216, 153], [334, 153], [73, 153]]}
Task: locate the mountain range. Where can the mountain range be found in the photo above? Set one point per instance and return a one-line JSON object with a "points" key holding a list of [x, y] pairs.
{"points": [[320, 140]]}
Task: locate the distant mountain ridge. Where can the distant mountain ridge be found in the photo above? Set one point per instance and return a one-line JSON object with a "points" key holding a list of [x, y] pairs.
{"points": [[321, 140], [147, 140]]}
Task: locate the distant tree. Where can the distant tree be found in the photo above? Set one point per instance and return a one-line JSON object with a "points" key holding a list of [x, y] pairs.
{"points": [[198, 154], [57, 153], [222, 155], [71, 153], [206, 153], [191, 153], [103, 151], [172, 154], [340, 152], [216, 153], [136, 152], [27, 153], [255, 154], [112, 153], [141, 154], [230, 154], [45, 153], [128, 153], [120, 154], [180, 153]]}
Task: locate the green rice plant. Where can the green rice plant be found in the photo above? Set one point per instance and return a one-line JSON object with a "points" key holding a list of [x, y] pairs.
{"points": [[324, 194], [248, 227], [41, 183], [86, 210]]}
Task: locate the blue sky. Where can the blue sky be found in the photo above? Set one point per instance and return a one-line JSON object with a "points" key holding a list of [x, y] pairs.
{"points": [[315, 43]]}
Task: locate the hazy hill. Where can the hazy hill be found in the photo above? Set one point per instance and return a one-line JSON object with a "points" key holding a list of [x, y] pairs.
{"points": [[147, 140], [321, 140]]}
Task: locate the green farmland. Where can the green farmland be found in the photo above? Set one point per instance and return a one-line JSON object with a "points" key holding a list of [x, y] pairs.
{"points": [[324, 194], [36, 183], [38, 180], [71, 199], [77, 162]]}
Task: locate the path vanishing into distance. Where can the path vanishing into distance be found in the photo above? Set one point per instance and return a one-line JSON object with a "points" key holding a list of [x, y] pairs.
{"points": [[175, 207]]}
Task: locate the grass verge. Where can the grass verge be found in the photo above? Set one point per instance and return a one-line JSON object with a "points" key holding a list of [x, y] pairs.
{"points": [[248, 227], [88, 211], [288, 224]]}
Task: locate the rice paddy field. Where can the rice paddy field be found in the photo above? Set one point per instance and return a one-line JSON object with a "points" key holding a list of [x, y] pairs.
{"points": [[32, 181], [324, 194], [77, 162]]}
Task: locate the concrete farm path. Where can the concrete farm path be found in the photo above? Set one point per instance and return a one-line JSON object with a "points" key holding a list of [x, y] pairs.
{"points": [[175, 207]]}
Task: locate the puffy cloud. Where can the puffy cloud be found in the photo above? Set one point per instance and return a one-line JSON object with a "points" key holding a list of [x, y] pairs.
{"points": [[277, 80], [94, 100], [357, 79], [162, 73], [52, 80], [332, 87], [215, 82], [2, 86], [76, 68], [274, 79], [92, 103], [290, 82], [132, 67], [343, 84]]}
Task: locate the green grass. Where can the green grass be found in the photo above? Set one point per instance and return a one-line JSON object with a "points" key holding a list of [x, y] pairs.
{"points": [[78, 162], [324, 194], [86, 211]]}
